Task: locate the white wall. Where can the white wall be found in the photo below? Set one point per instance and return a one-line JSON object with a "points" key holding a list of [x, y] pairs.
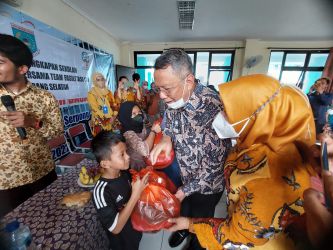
{"points": [[250, 47], [59, 15]]}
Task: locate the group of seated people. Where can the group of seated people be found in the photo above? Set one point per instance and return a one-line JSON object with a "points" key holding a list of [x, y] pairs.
{"points": [[256, 138]]}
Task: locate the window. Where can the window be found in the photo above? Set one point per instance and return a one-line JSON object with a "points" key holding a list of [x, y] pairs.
{"points": [[146, 60], [210, 67], [144, 64], [201, 66], [220, 68], [300, 68]]}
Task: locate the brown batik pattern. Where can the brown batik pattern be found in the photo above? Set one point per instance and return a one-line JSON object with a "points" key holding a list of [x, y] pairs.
{"points": [[25, 161], [200, 152]]}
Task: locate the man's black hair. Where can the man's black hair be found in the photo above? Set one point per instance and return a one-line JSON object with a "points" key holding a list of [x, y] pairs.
{"points": [[103, 142], [122, 77], [15, 50], [135, 77]]}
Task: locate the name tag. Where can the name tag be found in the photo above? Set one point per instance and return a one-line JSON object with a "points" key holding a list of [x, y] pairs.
{"points": [[105, 109]]}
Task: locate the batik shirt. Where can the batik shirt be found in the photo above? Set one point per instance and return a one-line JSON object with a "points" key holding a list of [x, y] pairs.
{"points": [[26, 161], [200, 152]]}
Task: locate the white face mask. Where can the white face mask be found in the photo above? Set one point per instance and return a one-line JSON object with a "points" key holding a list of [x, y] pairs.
{"points": [[225, 130], [179, 103]]}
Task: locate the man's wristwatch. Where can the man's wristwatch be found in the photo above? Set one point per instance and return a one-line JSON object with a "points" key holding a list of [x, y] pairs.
{"points": [[38, 124]]}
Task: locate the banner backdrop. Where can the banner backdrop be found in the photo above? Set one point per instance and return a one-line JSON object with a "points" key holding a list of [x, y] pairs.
{"points": [[61, 68]]}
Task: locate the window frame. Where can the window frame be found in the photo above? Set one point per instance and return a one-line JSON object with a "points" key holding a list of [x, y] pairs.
{"points": [[194, 52], [136, 53], [221, 68], [303, 69]]}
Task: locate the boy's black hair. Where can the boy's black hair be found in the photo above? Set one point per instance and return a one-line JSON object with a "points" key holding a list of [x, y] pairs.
{"points": [[135, 77], [103, 142], [15, 50]]}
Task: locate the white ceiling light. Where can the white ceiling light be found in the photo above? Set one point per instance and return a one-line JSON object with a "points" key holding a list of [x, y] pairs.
{"points": [[186, 13]]}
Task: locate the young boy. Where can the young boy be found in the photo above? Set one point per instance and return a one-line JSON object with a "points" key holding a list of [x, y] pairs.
{"points": [[114, 196]]}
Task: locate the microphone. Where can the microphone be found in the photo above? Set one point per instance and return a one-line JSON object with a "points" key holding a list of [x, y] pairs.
{"points": [[8, 102]]}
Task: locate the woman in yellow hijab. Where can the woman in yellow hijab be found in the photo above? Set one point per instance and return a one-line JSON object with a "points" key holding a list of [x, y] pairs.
{"points": [[265, 174], [102, 105]]}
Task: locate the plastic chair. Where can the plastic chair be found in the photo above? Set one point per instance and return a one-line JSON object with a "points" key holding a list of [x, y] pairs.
{"points": [[79, 138], [61, 153]]}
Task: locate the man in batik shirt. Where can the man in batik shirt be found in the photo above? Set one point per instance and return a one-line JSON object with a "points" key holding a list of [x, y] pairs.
{"points": [[188, 126], [26, 165]]}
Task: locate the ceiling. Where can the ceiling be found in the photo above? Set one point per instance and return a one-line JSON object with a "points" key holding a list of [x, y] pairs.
{"points": [[214, 20]]}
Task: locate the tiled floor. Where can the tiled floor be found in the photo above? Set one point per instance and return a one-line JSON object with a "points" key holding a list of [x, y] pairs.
{"points": [[159, 240]]}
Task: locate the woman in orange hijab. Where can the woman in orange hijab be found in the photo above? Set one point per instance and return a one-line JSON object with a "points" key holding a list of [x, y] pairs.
{"points": [[265, 174]]}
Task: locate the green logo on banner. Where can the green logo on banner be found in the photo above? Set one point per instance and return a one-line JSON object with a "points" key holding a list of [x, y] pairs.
{"points": [[27, 36]]}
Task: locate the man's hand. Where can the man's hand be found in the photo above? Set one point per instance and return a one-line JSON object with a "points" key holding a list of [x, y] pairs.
{"points": [[164, 145], [19, 119], [180, 223], [180, 195], [319, 220], [136, 86], [325, 137], [156, 128]]}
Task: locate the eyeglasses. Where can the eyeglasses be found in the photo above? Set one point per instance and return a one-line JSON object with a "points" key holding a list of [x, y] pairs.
{"points": [[168, 91]]}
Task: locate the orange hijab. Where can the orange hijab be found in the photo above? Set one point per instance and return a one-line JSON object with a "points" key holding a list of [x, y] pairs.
{"points": [[286, 117], [265, 171]]}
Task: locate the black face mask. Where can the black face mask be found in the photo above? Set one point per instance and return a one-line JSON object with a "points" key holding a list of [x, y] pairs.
{"points": [[138, 118], [137, 123]]}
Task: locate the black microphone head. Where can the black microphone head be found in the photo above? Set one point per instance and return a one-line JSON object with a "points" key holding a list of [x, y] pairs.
{"points": [[7, 101]]}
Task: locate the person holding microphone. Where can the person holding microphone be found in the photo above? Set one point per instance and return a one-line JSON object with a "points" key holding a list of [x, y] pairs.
{"points": [[29, 116]]}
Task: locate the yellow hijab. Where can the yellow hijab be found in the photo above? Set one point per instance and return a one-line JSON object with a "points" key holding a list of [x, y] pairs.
{"points": [[96, 89]]}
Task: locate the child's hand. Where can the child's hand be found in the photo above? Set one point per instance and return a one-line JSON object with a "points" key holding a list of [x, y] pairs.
{"points": [[139, 185], [156, 128]]}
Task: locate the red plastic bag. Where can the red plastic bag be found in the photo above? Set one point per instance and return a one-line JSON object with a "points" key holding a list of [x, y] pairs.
{"points": [[155, 177], [162, 160], [157, 203], [155, 206]]}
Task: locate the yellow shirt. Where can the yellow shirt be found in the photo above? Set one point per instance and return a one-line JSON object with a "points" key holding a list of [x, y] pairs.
{"points": [[101, 120]]}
